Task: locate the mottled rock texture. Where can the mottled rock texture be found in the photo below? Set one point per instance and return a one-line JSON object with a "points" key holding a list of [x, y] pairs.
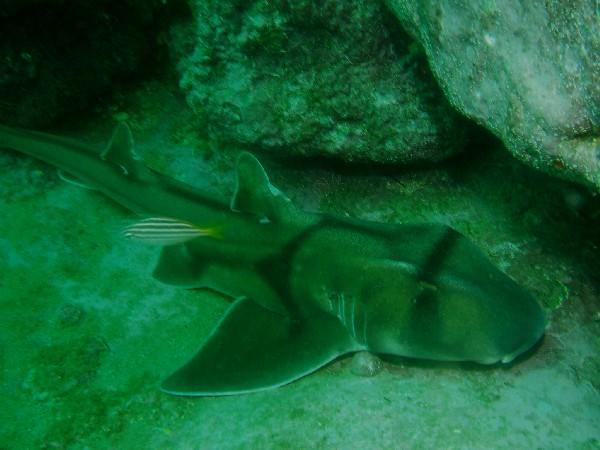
{"points": [[61, 57], [325, 78], [527, 70]]}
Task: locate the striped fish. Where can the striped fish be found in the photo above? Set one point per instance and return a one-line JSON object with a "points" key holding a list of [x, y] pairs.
{"points": [[166, 231]]}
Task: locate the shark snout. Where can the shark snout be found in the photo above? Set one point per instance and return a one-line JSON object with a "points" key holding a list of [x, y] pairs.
{"points": [[523, 333]]}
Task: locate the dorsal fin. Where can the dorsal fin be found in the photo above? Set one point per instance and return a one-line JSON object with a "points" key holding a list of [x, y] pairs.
{"points": [[120, 149], [254, 193]]}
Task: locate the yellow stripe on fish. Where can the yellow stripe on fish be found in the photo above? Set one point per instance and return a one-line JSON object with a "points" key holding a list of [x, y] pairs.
{"points": [[167, 231]]}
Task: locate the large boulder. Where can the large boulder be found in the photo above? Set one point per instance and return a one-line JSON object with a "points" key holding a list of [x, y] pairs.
{"points": [[325, 78], [527, 70]]}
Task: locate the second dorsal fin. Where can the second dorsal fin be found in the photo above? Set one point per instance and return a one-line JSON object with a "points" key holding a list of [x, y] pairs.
{"points": [[255, 194]]}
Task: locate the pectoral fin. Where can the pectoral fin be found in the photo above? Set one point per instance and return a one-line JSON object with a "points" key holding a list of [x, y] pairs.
{"points": [[253, 349]]}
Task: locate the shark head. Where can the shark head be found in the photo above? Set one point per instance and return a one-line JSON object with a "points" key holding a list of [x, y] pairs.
{"points": [[420, 291], [452, 306], [453, 320]]}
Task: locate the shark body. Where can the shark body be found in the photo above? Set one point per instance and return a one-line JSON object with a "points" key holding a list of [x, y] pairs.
{"points": [[306, 287]]}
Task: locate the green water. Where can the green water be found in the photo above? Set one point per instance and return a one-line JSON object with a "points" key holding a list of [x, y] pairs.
{"points": [[87, 334]]}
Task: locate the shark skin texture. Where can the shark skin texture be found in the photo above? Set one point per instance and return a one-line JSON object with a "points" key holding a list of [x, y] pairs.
{"points": [[306, 288]]}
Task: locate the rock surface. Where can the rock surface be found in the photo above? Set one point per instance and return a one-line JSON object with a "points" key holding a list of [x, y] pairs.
{"points": [[316, 78], [528, 71], [365, 364]]}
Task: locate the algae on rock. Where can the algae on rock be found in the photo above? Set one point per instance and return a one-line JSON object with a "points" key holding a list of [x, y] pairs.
{"points": [[528, 71], [316, 78]]}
